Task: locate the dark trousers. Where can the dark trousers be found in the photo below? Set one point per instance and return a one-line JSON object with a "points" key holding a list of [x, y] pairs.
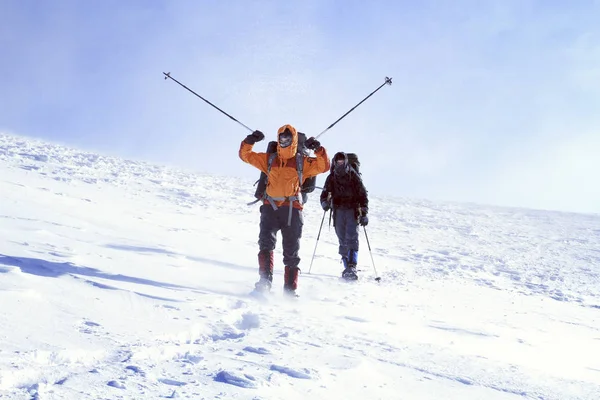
{"points": [[346, 229], [272, 221]]}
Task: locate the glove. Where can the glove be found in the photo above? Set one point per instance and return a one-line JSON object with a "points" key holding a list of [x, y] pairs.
{"points": [[312, 143], [326, 206], [254, 137], [363, 220]]}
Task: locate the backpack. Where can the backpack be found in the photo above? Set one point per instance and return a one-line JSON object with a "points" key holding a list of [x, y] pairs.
{"points": [[309, 184], [354, 163]]}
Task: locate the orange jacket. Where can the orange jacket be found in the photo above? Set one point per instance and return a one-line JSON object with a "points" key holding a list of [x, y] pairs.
{"points": [[283, 178]]}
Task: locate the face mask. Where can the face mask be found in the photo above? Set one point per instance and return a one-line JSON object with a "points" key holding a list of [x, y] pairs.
{"points": [[340, 167], [285, 139]]}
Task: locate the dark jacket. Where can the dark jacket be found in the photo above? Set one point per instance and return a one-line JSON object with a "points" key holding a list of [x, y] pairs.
{"points": [[346, 191]]}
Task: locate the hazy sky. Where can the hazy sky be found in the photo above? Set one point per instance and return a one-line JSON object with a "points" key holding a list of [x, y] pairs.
{"points": [[493, 102]]}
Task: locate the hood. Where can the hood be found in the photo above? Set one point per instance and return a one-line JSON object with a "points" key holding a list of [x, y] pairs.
{"points": [[339, 170], [290, 151]]}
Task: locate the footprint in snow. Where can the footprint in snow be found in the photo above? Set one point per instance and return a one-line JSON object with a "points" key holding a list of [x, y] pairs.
{"points": [[257, 350], [116, 384], [135, 370], [226, 332], [294, 373], [189, 358], [244, 381], [171, 382], [89, 327]]}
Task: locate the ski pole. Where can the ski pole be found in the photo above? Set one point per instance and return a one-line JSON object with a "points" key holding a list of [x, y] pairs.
{"points": [[318, 236], [377, 278], [388, 81], [168, 75]]}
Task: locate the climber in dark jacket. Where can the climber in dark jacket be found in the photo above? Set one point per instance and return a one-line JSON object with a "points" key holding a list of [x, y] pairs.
{"points": [[345, 194]]}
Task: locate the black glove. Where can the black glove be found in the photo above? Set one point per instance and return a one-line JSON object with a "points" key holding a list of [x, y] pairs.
{"points": [[326, 206], [312, 143], [363, 220], [254, 137]]}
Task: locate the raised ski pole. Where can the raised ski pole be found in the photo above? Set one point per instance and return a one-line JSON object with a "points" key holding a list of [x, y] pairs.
{"points": [[318, 236], [388, 81], [168, 75], [377, 278]]}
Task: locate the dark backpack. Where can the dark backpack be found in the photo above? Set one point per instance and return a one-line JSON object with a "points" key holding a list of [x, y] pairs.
{"points": [[353, 162], [309, 184]]}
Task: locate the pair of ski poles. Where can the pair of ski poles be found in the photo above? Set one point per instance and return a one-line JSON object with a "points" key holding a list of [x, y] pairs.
{"points": [[388, 81]]}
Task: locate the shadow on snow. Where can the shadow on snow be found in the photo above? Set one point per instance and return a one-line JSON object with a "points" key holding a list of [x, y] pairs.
{"points": [[50, 269]]}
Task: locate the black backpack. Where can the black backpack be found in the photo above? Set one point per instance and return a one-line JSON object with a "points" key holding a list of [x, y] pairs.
{"points": [[309, 184], [353, 162]]}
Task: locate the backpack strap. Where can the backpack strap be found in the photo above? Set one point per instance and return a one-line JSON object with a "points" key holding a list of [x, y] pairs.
{"points": [[300, 170], [269, 163], [272, 157]]}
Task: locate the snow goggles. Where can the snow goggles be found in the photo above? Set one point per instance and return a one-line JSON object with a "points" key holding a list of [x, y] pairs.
{"points": [[285, 139]]}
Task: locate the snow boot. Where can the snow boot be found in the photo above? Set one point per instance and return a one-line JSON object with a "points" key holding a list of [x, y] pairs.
{"points": [[265, 270], [349, 272], [290, 280]]}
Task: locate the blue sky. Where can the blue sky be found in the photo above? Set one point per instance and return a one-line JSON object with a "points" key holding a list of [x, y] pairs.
{"points": [[493, 102]]}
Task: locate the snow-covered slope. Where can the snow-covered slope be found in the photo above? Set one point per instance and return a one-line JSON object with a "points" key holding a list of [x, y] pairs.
{"points": [[121, 279]]}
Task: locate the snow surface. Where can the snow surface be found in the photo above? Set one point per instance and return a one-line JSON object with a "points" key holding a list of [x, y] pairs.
{"points": [[120, 279]]}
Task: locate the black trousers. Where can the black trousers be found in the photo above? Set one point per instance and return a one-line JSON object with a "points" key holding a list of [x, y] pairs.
{"points": [[273, 221]]}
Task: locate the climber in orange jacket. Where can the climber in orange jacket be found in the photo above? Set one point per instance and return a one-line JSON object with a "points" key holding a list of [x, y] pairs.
{"points": [[282, 207]]}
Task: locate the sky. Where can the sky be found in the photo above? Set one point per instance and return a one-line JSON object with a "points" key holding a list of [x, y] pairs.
{"points": [[492, 102]]}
